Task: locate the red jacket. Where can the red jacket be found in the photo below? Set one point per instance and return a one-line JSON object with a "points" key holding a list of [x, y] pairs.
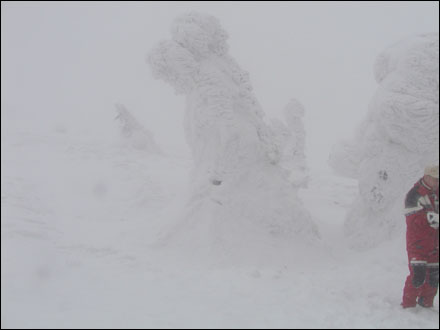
{"points": [[421, 239]]}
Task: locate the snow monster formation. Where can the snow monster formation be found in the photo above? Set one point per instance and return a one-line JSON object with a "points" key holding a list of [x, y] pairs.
{"points": [[134, 133], [290, 141], [399, 136], [241, 197]]}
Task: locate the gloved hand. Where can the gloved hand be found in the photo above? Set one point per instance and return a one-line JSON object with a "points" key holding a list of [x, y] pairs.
{"points": [[433, 219]]}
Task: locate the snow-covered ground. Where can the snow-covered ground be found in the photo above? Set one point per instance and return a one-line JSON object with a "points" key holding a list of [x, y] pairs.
{"points": [[83, 228]]}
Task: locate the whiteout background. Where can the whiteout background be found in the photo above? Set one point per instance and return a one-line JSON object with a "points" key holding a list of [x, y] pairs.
{"points": [[81, 212]]}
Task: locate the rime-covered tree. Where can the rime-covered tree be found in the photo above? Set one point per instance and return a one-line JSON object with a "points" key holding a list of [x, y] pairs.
{"points": [[290, 140], [135, 134], [237, 177], [399, 136], [294, 152]]}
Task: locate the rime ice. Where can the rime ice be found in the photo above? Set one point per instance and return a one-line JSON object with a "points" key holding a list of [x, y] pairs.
{"points": [[399, 136], [240, 160]]}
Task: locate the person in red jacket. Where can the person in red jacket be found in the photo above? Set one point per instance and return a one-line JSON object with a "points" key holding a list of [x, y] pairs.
{"points": [[422, 221]]}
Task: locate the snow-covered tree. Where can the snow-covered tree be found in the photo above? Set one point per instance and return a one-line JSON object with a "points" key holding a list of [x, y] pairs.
{"points": [[294, 152], [290, 141], [237, 178], [136, 135], [399, 136]]}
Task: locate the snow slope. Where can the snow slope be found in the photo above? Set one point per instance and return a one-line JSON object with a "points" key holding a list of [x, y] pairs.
{"points": [[84, 222]]}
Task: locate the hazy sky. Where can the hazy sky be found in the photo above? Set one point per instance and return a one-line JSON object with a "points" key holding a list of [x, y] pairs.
{"points": [[68, 63]]}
